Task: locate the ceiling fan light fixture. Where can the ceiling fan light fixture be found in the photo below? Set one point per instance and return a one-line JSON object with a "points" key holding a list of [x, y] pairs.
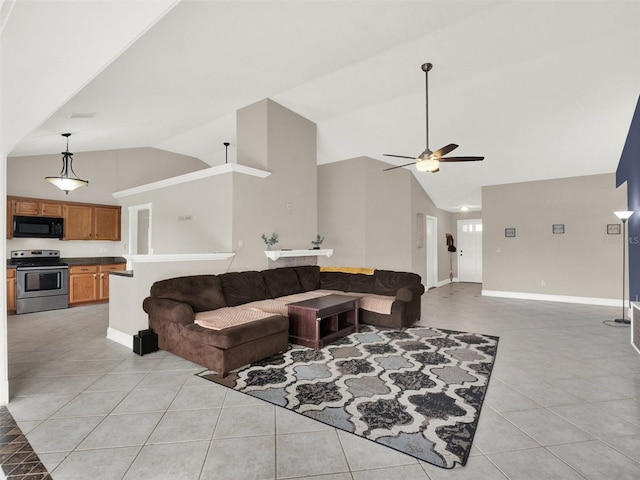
{"points": [[429, 161], [64, 181], [428, 165]]}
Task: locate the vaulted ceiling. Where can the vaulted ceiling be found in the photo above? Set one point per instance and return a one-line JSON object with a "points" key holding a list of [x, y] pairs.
{"points": [[540, 89]]}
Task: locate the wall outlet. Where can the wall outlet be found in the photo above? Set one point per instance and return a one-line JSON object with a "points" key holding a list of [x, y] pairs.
{"points": [[240, 244], [543, 283]]}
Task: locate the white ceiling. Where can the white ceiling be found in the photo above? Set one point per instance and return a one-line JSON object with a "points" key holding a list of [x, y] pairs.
{"points": [[541, 89]]}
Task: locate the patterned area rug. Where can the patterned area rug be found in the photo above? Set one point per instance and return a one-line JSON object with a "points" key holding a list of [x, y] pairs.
{"points": [[418, 390]]}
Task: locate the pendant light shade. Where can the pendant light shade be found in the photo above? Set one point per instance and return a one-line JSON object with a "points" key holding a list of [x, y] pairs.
{"points": [[67, 179]]}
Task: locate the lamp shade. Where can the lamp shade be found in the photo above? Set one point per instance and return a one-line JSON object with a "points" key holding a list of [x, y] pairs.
{"points": [[67, 184], [623, 215]]}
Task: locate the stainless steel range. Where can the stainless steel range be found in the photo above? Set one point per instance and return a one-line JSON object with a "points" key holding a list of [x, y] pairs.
{"points": [[42, 280]]}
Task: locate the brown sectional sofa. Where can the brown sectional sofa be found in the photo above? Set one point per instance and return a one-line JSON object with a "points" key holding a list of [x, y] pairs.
{"points": [[223, 322]]}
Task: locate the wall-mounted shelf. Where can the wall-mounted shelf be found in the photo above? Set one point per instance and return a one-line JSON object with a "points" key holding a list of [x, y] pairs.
{"points": [[276, 254]]}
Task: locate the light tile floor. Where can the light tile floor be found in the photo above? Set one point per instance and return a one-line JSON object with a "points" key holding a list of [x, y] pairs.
{"points": [[563, 403]]}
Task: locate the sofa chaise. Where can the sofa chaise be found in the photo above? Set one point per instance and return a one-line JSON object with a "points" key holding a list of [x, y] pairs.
{"points": [[226, 321]]}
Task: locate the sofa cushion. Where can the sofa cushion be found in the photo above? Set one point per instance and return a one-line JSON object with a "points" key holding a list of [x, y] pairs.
{"points": [[279, 305], [243, 287], [308, 276], [202, 292], [281, 282], [334, 281], [388, 282], [228, 317], [236, 335], [377, 303], [361, 283]]}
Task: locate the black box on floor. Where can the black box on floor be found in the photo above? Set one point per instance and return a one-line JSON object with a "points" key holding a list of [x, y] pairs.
{"points": [[146, 341]]}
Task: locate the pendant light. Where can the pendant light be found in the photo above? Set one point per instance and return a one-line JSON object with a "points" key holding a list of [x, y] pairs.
{"points": [[63, 181]]}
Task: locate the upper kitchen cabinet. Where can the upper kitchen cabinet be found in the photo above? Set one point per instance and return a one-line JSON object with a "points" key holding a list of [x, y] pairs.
{"points": [[82, 221], [106, 223], [78, 222], [91, 222], [40, 208]]}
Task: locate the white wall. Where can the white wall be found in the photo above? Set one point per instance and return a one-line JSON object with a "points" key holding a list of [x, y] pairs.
{"points": [[369, 217], [286, 201], [4, 364], [583, 262], [341, 212], [421, 203], [207, 201], [107, 171]]}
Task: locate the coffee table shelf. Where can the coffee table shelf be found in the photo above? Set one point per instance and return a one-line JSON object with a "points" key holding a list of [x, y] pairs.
{"points": [[317, 322]]}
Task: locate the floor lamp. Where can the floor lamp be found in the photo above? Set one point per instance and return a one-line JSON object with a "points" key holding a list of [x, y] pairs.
{"points": [[623, 216]]}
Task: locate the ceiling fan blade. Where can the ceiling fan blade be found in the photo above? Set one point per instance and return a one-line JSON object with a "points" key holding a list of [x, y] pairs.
{"points": [[399, 166], [444, 150], [397, 156], [461, 159]]}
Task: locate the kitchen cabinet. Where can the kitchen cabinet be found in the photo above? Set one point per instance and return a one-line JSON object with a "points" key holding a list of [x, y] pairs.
{"points": [[11, 289], [78, 222], [106, 223], [103, 285], [90, 283], [82, 221], [32, 207], [91, 222], [40, 208]]}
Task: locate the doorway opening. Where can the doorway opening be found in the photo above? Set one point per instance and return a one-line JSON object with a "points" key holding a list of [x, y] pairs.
{"points": [[140, 230]]}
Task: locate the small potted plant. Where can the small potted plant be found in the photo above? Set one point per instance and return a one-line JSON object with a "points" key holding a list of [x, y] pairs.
{"points": [[270, 241], [317, 242]]}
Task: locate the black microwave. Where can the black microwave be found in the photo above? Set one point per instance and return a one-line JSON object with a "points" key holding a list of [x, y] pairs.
{"points": [[38, 227]]}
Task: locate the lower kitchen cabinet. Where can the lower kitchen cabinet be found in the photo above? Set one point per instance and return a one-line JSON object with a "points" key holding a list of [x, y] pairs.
{"points": [[90, 283], [103, 271], [11, 289]]}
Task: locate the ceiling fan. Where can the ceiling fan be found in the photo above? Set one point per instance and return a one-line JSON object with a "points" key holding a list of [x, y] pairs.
{"points": [[429, 161]]}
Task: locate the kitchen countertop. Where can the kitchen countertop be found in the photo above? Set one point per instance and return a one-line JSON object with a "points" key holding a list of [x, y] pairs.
{"points": [[75, 261], [122, 273]]}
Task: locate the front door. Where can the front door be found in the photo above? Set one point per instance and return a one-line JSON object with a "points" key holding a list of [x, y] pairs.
{"points": [[470, 250]]}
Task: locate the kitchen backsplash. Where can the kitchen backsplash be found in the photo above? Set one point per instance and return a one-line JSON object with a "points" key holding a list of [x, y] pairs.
{"points": [[68, 248]]}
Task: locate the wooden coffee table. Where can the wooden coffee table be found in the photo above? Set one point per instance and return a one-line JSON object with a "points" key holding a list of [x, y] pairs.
{"points": [[319, 321]]}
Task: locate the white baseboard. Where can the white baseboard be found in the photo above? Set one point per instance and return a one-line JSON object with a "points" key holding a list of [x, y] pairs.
{"points": [[120, 337], [446, 282], [605, 302]]}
